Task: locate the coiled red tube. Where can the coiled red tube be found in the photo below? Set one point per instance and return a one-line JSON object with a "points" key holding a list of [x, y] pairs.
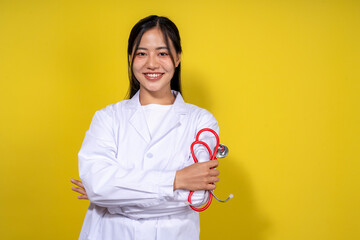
{"points": [[212, 157]]}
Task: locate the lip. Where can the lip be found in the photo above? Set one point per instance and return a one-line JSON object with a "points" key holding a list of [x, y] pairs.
{"points": [[153, 76]]}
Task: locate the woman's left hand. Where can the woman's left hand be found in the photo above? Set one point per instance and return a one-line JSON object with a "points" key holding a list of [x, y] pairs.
{"points": [[80, 189]]}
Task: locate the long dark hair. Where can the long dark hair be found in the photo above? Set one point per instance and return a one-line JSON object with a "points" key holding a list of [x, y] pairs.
{"points": [[170, 31]]}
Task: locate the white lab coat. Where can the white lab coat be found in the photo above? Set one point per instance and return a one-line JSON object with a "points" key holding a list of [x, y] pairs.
{"points": [[129, 176]]}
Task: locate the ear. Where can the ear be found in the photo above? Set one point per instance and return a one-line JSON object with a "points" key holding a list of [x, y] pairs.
{"points": [[177, 60]]}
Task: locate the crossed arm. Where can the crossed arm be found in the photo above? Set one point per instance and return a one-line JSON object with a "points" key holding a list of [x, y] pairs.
{"points": [[198, 176]]}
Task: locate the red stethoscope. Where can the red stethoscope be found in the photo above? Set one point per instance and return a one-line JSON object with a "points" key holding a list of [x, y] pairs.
{"points": [[220, 151]]}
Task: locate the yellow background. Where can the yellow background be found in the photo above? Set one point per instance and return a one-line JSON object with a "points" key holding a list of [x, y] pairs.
{"points": [[281, 77]]}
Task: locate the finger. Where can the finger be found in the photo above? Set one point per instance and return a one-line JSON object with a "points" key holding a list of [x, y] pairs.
{"points": [[214, 179], [77, 183], [210, 187], [84, 197], [214, 172], [213, 163], [73, 180], [79, 190]]}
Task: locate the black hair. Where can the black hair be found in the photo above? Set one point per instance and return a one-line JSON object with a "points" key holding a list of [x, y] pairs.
{"points": [[170, 31]]}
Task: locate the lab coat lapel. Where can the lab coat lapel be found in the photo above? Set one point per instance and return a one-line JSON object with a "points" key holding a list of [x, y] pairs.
{"points": [[172, 119], [138, 120]]}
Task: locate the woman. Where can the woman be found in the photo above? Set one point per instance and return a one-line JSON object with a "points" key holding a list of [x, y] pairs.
{"points": [[135, 161]]}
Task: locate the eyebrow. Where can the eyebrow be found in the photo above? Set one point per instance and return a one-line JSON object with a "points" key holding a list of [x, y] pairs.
{"points": [[158, 48]]}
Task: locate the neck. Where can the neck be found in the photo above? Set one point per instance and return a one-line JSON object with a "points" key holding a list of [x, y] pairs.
{"points": [[163, 98]]}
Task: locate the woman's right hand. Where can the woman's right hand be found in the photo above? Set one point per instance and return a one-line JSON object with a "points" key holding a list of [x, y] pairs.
{"points": [[80, 189], [198, 176]]}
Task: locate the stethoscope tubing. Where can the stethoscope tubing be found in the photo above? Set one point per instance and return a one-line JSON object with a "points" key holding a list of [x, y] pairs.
{"points": [[212, 157]]}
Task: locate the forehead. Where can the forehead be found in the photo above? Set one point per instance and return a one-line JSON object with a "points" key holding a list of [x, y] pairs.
{"points": [[154, 38]]}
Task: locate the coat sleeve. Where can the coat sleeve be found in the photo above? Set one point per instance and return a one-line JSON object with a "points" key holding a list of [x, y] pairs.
{"points": [[107, 184]]}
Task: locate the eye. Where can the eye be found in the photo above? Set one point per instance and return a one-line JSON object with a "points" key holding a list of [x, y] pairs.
{"points": [[163, 54], [140, 54]]}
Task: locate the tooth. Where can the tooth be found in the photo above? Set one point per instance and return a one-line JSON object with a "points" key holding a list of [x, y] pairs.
{"points": [[153, 75]]}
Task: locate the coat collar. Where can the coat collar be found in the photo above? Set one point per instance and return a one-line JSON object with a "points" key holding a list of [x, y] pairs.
{"points": [[179, 104], [171, 121]]}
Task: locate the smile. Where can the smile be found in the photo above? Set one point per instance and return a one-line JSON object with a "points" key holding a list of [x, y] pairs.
{"points": [[153, 76]]}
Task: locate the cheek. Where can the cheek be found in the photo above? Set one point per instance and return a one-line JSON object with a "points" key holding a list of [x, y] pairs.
{"points": [[137, 66], [168, 65]]}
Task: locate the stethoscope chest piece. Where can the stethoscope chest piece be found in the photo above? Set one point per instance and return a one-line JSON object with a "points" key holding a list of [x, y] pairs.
{"points": [[222, 152]]}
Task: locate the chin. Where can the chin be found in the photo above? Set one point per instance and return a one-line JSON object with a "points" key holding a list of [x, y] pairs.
{"points": [[154, 89]]}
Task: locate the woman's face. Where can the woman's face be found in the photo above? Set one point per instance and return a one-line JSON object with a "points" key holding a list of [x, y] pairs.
{"points": [[152, 65]]}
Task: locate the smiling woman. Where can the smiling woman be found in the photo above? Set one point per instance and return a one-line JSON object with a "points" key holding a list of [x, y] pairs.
{"points": [[161, 35], [135, 163], [153, 66]]}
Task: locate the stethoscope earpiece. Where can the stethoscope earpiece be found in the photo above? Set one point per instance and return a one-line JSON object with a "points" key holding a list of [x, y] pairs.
{"points": [[223, 201]]}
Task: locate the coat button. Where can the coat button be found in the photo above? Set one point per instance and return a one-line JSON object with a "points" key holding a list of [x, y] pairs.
{"points": [[149, 155]]}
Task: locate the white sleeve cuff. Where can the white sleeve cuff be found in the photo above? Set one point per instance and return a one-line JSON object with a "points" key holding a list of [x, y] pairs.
{"points": [[166, 185]]}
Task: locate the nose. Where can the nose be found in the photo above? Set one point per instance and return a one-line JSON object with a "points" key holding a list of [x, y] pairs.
{"points": [[152, 62]]}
